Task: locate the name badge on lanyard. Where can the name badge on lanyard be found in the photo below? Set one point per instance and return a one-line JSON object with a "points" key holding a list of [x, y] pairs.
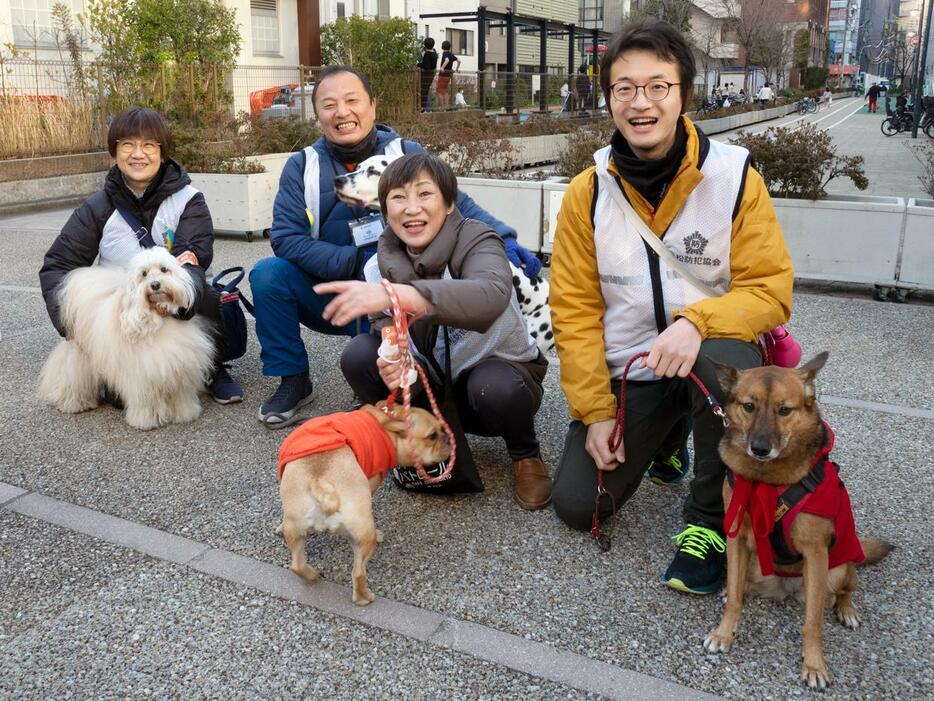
{"points": [[366, 230]]}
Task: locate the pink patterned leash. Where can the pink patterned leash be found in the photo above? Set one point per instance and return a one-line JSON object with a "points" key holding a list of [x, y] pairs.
{"points": [[405, 356]]}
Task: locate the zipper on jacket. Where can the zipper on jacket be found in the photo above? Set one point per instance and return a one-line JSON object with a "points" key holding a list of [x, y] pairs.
{"points": [[658, 300]]}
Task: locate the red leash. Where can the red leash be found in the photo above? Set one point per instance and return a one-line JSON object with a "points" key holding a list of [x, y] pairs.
{"points": [[408, 363], [616, 438]]}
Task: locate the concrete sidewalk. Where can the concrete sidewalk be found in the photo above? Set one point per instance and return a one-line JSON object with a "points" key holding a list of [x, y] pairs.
{"points": [[146, 565]]}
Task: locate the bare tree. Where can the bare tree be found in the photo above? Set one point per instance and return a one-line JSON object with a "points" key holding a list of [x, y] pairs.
{"points": [[676, 12], [706, 38], [753, 22]]}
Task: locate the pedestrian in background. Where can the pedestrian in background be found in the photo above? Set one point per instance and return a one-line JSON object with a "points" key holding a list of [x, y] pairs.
{"points": [[427, 67]]}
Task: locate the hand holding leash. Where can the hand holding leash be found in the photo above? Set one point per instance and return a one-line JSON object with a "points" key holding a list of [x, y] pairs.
{"points": [[407, 365]]}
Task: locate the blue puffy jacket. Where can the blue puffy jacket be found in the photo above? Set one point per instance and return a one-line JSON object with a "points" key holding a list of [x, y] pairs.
{"points": [[333, 255]]}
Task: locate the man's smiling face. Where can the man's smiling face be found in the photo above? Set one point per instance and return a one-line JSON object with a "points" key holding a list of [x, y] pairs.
{"points": [[345, 110]]}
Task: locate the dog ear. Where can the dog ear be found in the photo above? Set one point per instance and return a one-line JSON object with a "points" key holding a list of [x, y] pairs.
{"points": [[727, 376], [808, 372]]}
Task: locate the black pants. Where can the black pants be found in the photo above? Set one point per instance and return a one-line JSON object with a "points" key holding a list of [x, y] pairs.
{"points": [[494, 398], [653, 411]]}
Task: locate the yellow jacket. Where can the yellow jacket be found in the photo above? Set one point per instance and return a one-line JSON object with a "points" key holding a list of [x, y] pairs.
{"points": [[760, 287]]}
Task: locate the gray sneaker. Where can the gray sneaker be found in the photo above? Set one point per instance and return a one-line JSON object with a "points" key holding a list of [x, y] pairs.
{"points": [[294, 392]]}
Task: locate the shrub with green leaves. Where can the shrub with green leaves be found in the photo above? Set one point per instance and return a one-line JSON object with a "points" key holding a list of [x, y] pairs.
{"points": [[799, 162]]}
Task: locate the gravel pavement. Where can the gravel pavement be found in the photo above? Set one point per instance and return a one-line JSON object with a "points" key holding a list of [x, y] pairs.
{"points": [[82, 616]]}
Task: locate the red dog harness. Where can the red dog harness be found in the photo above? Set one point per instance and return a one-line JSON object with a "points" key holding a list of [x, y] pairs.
{"points": [[772, 509], [361, 431]]}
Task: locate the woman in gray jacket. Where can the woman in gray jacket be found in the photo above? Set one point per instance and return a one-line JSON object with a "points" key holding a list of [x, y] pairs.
{"points": [[452, 272]]}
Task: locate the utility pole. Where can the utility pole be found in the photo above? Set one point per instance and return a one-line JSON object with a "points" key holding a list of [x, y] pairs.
{"points": [[925, 35]]}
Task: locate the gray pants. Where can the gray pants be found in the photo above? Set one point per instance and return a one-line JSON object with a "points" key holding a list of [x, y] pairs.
{"points": [[653, 411]]}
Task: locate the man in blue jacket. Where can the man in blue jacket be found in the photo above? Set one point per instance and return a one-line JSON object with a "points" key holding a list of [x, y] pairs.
{"points": [[318, 238]]}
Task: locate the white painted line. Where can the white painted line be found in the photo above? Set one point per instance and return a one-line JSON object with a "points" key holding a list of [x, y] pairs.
{"points": [[846, 118], [880, 407], [16, 288], [514, 652]]}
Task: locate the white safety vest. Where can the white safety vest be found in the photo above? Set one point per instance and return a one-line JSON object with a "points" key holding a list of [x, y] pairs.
{"points": [[699, 237], [313, 185], [118, 240]]}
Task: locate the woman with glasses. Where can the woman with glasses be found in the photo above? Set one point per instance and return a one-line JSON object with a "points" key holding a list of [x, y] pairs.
{"points": [[147, 200], [613, 297]]}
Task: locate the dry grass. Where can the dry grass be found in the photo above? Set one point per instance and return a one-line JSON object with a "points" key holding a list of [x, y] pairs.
{"points": [[47, 127]]}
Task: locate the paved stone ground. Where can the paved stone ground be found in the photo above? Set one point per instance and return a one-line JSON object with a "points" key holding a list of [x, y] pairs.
{"points": [[145, 565], [889, 164]]}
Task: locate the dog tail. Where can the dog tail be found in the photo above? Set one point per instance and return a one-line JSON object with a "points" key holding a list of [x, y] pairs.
{"points": [[875, 549], [326, 496]]}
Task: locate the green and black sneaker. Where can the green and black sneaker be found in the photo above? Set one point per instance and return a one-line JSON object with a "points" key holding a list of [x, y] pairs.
{"points": [[697, 567], [670, 470]]}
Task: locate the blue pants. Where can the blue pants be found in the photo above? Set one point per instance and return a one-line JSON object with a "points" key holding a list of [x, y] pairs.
{"points": [[284, 300]]}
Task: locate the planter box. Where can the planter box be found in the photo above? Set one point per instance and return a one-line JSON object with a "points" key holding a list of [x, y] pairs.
{"points": [[917, 262], [242, 204], [239, 203], [843, 238], [535, 150], [517, 203], [552, 194]]}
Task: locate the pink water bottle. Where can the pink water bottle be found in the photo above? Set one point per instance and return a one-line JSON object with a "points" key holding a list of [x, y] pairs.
{"points": [[785, 350]]}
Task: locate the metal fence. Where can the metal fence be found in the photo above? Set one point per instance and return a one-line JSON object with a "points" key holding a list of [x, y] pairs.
{"points": [[54, 107]]}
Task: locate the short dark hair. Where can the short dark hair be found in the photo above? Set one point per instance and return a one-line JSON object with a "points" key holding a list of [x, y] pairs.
{"points": [[405, 170], [445, 45], [651, 35], [139, 122], [429, 43], [332, 71]]}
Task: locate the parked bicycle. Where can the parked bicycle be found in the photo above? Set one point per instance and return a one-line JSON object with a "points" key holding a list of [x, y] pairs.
{"points": [[807, 105]]}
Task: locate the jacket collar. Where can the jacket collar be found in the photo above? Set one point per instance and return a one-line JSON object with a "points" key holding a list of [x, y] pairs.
{"points": [[170, 179], [431, 262], [686, 179]]}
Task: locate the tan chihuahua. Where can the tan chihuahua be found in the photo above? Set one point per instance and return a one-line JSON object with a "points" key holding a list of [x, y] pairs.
{"points": [[330, 466]]}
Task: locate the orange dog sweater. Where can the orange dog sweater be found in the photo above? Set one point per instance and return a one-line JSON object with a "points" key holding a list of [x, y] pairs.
{"points": [[361, 431]]}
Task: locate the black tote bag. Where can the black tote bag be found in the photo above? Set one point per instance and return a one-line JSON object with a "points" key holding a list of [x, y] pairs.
{"points": [[464, 478]]}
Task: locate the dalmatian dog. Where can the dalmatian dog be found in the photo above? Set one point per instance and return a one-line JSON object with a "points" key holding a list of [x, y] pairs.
{"points": [[360, 189], [532, 294]]}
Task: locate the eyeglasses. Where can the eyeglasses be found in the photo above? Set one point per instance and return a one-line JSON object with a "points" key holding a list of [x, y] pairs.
{"points": [[654, 90], [150, 148]]}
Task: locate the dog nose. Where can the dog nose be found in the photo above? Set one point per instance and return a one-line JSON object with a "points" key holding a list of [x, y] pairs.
{"points": [[155, 285], [760, 448]]}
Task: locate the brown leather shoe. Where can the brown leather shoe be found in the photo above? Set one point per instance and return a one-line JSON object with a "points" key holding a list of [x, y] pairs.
{"points": [[533, 485]]}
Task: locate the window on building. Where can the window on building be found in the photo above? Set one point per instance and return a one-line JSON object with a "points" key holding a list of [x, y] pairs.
{"points": [[591, 14], [264, 17], [461, 41], [32, 21], [341, 11]]}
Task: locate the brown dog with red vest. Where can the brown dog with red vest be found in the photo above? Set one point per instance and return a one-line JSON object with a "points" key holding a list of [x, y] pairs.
{"points": [[788, 519], [330, 466]]}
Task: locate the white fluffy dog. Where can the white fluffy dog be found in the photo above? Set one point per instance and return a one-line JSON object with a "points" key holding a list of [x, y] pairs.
{"points": [[122, 335]]}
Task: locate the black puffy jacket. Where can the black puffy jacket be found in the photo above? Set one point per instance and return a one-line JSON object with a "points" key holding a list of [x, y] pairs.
{"points": [[78, 244]]}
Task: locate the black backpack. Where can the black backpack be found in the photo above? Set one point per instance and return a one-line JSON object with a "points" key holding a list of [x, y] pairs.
{"points": [[235, 336]]}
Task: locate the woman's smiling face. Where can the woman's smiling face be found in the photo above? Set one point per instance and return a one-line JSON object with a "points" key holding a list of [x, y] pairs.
{"points": [[345, 111], [416, 212]]}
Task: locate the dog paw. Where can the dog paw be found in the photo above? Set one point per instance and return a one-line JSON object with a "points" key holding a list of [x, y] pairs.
{"points": [[848, 616], [718, 642], [363, 596], [308, 573], [815, 675]]}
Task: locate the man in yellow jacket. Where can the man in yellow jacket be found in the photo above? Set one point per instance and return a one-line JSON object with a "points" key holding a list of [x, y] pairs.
{"points": [[612, 296]]}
